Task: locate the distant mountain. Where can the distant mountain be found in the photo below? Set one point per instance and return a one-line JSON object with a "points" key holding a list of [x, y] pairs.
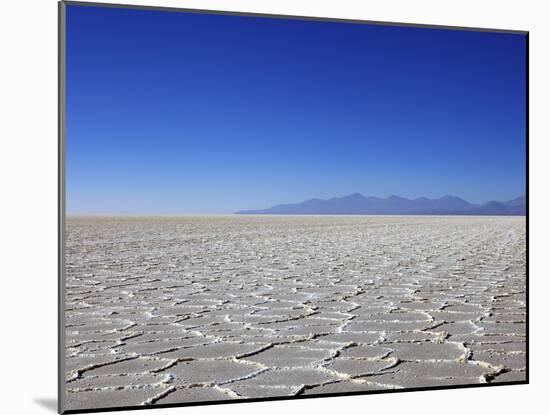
{"points": [[518, 201], [357, 204]]}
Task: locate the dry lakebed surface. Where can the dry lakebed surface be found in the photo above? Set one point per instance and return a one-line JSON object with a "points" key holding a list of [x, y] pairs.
{"points": [[166, 310]]}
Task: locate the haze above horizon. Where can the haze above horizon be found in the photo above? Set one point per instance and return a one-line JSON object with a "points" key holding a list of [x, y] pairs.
{"points": [[189, 113]]}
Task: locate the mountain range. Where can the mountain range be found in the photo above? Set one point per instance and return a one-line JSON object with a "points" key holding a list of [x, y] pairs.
{"points": [[357, 204]]}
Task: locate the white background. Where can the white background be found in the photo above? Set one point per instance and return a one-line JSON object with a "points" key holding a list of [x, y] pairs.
{"points": [[28, 178]]}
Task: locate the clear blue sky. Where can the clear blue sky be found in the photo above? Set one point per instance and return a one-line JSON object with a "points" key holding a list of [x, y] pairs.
{"points": [[179, 113]]}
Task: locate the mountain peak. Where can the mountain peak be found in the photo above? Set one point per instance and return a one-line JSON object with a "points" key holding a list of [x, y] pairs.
{"points": [[450, 197]]}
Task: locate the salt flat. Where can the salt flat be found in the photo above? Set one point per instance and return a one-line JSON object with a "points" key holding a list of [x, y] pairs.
{"points": [[187, 309]]}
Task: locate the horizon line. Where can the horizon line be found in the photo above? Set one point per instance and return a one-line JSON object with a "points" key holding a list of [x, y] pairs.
{"points": [[181, 215], [239, 212]]}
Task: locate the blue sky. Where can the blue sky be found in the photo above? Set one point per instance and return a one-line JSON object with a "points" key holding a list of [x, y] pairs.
{"points": [[181, 113]]}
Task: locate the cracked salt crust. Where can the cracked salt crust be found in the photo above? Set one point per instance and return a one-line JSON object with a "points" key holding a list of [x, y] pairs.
{"points": [[191, 309]]}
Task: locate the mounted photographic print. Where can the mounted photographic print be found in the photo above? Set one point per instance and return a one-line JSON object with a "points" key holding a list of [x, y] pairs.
{"points": [[258, 207]]}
